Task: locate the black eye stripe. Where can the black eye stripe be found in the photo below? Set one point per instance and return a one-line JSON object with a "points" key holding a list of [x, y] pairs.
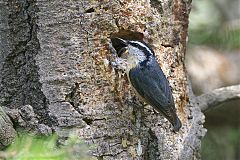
{"points": [[142, 48], [145, 51]]}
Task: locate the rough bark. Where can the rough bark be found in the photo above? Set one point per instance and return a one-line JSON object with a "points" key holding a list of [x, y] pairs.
{"points": [[19, 79], [7, 132], [55, 59]]}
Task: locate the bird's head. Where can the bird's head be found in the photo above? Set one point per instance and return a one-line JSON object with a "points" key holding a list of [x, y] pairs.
{"points": [[136, 52]]}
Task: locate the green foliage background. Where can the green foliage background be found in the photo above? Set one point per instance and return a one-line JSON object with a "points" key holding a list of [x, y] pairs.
{"points": [[209, 25], [216, 24], [32, 147]]}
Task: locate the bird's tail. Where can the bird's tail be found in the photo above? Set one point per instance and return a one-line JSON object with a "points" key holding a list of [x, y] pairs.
{"points": [[177, 124]]}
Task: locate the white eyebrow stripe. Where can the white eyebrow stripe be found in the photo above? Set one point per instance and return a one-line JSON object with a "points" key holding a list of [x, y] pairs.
{"points": [[143, 45]]}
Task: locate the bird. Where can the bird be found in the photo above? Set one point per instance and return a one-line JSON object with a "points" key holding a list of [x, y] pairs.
{"points": [[147, 78]]}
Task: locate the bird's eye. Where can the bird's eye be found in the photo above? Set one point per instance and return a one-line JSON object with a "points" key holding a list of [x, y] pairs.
{"points": [[123, 52]]}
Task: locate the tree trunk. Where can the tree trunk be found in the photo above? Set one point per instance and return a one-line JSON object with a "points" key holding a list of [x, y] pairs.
{"points": [[55, 59]]}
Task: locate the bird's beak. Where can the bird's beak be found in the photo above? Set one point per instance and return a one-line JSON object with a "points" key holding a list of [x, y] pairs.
{"points": [[120, 45]]}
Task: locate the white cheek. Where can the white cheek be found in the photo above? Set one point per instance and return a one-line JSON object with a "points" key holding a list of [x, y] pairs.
{"points": [[132, 61]]}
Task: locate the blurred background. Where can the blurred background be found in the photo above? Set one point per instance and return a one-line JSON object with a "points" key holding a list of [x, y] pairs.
{"points": [[213, 61]]}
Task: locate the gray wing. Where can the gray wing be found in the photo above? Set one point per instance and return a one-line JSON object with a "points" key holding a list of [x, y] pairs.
{"points": [[152, 85]]}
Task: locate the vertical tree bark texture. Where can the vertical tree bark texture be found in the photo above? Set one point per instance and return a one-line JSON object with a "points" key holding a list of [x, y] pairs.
{"points": [[56, 59], [19, 79]]}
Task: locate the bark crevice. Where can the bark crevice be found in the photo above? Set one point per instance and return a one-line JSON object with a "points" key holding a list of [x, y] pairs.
{"points": [[20, 83], [152, 151]]}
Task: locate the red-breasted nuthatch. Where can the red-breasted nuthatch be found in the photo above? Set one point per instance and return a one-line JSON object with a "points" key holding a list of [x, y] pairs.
{"points": [[147, 78]]}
